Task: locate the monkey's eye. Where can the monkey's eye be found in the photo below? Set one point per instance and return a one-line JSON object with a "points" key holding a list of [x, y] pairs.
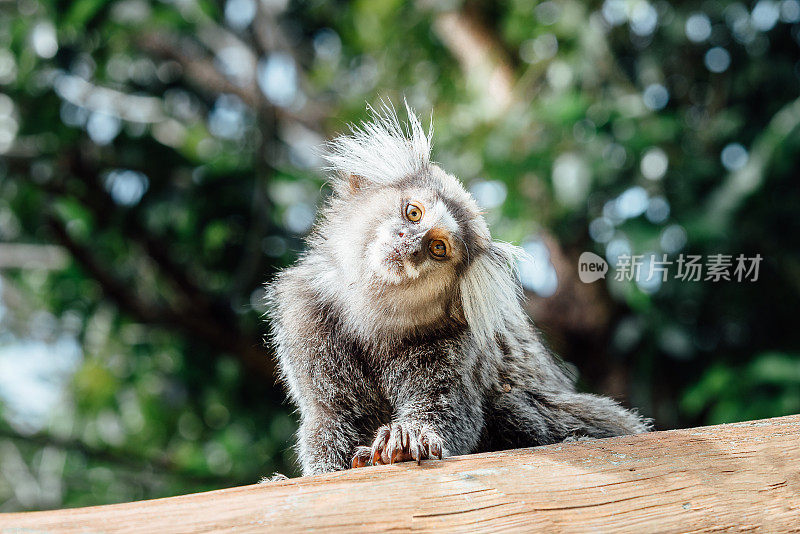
{"points": [[414, 212], [438, 248]]}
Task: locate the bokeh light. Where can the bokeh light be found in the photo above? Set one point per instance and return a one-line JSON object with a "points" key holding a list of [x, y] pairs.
{"points": [[734, 156], [717, 59], [698, 27]]}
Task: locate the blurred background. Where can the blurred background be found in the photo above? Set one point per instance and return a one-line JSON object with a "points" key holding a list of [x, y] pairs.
{"points": [[159, 161]]}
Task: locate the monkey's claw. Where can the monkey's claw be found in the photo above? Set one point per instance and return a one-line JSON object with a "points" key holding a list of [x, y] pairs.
{"points": [[402, 442]]}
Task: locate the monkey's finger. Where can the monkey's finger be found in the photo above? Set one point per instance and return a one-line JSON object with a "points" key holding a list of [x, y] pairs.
{"points": [[362, 457], [398, 456], [395, 435], [382, 435], [435, 449], [407, 433], [416, 447], [376, 455], [395, 442], [416, 450], [402, 436]]}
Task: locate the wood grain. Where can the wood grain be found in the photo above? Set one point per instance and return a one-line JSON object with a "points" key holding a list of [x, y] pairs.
{"points": [[736, 477]]}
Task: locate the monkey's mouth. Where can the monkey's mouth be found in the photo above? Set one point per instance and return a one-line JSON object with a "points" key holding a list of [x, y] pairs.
{"points": [[394, 258], [393, 261]]}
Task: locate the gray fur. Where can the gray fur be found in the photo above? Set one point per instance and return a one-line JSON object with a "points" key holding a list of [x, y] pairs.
{"points": [[391, 354]]}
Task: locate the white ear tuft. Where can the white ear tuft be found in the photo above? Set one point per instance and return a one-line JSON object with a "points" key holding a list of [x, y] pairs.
{"points": [[491, 292], [382, 150]]}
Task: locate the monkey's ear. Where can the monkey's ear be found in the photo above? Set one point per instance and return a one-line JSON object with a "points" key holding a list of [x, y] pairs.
{"points": [[355, 182]]}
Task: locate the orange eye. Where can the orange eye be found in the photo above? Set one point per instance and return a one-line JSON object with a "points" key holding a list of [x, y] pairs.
{"points": [[414, 212], [438, 248]]}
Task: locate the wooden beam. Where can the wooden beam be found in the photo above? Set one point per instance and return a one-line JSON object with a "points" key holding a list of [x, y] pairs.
{"points": [[735, 477]]}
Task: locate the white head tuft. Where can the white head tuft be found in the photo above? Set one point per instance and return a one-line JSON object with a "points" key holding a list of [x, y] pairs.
{"points": [[382, 150]]}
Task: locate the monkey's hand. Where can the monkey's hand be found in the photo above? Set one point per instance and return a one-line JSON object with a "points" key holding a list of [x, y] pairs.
{"points": [[402, 442]]}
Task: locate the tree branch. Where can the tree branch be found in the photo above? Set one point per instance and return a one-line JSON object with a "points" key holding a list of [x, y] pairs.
{"points": [[199, 70], [128, 458], [225, 337], [740, 184], [482, 57]]}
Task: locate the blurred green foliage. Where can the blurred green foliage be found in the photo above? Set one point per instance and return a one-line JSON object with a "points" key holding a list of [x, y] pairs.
{"points": [[770, 383], [162, 159]]}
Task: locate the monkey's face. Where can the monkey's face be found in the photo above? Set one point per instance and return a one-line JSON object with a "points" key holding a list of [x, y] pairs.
{"points": [[405, 245], [415, 238]]}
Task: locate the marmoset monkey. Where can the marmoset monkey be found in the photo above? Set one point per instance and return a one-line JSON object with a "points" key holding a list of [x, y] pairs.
{"points": [[399, 332]]}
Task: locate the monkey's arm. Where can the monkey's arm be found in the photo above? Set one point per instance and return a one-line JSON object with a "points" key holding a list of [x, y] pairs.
{"points": [[338, 408], [438, 407], [338, 405], [326, 440], [336, 415]]}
